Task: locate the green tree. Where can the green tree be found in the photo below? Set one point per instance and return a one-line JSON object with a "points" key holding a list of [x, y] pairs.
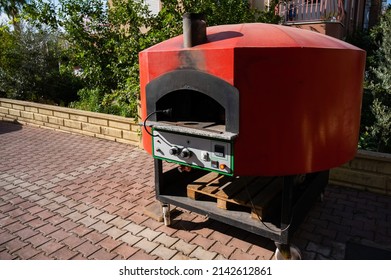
{"points": [[105, 42], [29, 66], [42, 14], [101, 43], [379, 82], [376, 113], [12, 9], [168, 23]]}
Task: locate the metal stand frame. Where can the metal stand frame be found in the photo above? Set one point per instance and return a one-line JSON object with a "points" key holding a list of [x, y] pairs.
{"points": [[296, 201]]}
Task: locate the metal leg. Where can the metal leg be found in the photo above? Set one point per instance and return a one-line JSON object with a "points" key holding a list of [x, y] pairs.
{"points": [[286, 251], [158, 188], [158, 176], [166, 214], [321, 196], [286, 207], [293, 210]]}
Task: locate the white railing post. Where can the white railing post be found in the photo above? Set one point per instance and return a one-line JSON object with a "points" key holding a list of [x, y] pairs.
{"points": [[310, 10]]}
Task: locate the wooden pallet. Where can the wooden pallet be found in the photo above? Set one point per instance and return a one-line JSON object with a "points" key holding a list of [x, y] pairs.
{"points": [[253, 193]]}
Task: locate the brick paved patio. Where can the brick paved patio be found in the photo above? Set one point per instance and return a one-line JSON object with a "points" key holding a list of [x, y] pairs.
{"points": [[65, 196]]}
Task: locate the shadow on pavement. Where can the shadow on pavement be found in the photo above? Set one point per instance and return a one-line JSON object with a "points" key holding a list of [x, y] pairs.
{"points": [[357, 249], [7, 127]]}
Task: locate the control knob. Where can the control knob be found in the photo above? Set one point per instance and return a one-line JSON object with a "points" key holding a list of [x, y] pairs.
{"points": [[174, 151], [185, 154]]}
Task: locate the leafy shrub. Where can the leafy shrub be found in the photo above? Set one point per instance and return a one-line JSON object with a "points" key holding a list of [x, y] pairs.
{"points": [[376, 113], [29, 66]]}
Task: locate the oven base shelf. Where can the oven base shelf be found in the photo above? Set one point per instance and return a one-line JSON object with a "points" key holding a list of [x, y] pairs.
{"points": [[289, 207]]}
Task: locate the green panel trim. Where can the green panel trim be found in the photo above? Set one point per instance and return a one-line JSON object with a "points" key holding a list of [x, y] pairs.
{"points": [[194, 166]]}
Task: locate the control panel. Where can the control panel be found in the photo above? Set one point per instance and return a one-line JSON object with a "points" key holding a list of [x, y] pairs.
{"points": [[192, 150]]}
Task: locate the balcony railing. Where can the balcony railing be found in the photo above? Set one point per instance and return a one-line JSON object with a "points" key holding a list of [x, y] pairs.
{"points": [[296, 11]]}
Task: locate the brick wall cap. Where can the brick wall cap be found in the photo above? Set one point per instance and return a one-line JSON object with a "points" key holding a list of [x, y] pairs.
{"points": [[373, 155], [69, 110]]}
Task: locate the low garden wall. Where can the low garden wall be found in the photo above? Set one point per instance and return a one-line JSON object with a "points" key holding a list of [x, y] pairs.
{"points": [[367, 171], [115, 128]]}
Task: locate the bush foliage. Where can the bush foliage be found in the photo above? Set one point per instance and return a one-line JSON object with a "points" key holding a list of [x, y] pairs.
{"points": [[376, 110], [100, 44], [29, 67]]}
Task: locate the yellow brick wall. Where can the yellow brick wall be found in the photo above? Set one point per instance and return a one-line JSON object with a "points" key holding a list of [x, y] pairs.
{"points": [[367, 171], [115, 128]]}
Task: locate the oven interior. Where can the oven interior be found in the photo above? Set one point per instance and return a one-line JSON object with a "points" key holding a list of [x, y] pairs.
{"points": [[193, 109]]}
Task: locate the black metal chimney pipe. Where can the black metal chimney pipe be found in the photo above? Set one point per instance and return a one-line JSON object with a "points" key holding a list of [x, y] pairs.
{"points": [[194, 29]]}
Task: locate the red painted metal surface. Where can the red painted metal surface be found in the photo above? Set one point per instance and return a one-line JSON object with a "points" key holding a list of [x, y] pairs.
{"points": [[300, 93]]}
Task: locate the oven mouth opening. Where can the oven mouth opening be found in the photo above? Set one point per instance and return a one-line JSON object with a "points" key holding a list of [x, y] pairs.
{"points": [[192, 109], [193, 96]]}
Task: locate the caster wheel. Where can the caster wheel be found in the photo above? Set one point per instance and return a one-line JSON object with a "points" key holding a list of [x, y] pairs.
{"points": [[294, 254]]}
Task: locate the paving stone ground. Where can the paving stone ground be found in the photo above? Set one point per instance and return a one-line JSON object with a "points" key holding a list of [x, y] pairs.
{"points": [[66, 196]]}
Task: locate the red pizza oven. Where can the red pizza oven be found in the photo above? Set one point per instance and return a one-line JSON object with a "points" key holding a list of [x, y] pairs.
{"points": [[276, 100], [257, 114]]}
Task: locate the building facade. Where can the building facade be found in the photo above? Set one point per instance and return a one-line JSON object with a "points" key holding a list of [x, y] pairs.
{"points": [[337, 18]]}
